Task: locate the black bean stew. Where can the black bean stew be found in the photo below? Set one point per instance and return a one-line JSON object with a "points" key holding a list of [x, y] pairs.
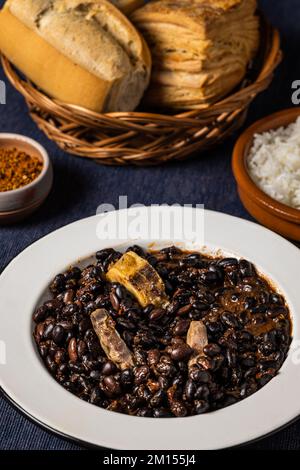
{"points": [[247, 324]]}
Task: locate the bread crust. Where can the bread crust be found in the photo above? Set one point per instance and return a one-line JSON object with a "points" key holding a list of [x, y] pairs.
{"points": [[96, 36], [196, 15]]}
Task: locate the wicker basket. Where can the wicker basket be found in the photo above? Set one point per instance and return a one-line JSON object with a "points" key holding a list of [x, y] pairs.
{"points": [[144, 138]]}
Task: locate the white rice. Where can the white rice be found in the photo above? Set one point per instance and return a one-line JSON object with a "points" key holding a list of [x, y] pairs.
{"points": [[274, 163]]}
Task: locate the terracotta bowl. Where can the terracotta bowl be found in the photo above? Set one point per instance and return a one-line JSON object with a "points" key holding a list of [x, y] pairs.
{"points": [[19, 203], [273, 214]]}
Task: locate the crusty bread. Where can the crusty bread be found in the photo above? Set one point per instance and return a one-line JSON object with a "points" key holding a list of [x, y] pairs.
{"points": [[200, 48], [90, 36], [128, 6]]}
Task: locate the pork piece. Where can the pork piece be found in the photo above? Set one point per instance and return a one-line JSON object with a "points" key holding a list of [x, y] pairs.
{"points": [[197, 339], [111, 342]]}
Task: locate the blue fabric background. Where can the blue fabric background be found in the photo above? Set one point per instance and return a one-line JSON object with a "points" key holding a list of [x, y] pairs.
{"points": [[80, 186]]}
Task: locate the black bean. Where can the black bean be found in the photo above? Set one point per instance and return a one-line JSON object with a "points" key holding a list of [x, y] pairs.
{"points": [[181, 327], [201, 406], [173, 307], [76, 368], [156, 314], [247, 388], [84, 325], [140, 356], [142, 392], [144, 412], [212, 349], [161, 413], [210, 277], [248, 361], [228, 262], [74, 273], [214, 327], [58, 334], [63, 369], [233, 277], [166, 369], [95, 374], [181, 352], [126, 377], [267, 364], [103, 254], [245, 336], [84, 384], [108, 368], [60, 356], [236, 375], [250, 372], [81, 348], [69, 336], [264, 379], [189, 390], [51, 364], [90, 307], [153, 357], [43, 349], [48, 331], [40, 314], [120, 292], [191, 261], [199, 376], [114, 301], [184, 310], [69, 310], [201, 306], [276, 311], [127, 324], [276, 299], [110, 386], [95, 397], [168, 287], [246, 268], [72, 350], [58, 284], [141, 374], [138, 250], [157, 398], [231, 358], [229, 320], [147, 310], [201, 392]]}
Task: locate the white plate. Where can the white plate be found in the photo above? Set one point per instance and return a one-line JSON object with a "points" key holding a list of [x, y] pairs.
{"points": [[26, 381]]}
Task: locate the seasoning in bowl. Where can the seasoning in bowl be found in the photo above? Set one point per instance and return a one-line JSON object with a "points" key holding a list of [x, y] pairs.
{"points": [[17, 169], [274, 163]]}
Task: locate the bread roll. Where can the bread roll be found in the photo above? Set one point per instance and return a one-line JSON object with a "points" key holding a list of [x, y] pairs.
{"points": [[200, 48], [128, 6], [83, 52]]}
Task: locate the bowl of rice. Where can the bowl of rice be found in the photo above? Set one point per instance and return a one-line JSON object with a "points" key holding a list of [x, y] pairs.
{"points": [[266, 166]]}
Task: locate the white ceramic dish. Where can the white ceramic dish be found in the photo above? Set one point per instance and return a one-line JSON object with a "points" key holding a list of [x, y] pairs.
{"points": [[26, 381]]}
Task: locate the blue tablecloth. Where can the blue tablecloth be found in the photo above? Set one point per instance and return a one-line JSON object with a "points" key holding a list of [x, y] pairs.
{"points": [[80, 186]]}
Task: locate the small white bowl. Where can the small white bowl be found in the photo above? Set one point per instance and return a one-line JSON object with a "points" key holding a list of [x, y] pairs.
{"points": [[19, 203]]}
